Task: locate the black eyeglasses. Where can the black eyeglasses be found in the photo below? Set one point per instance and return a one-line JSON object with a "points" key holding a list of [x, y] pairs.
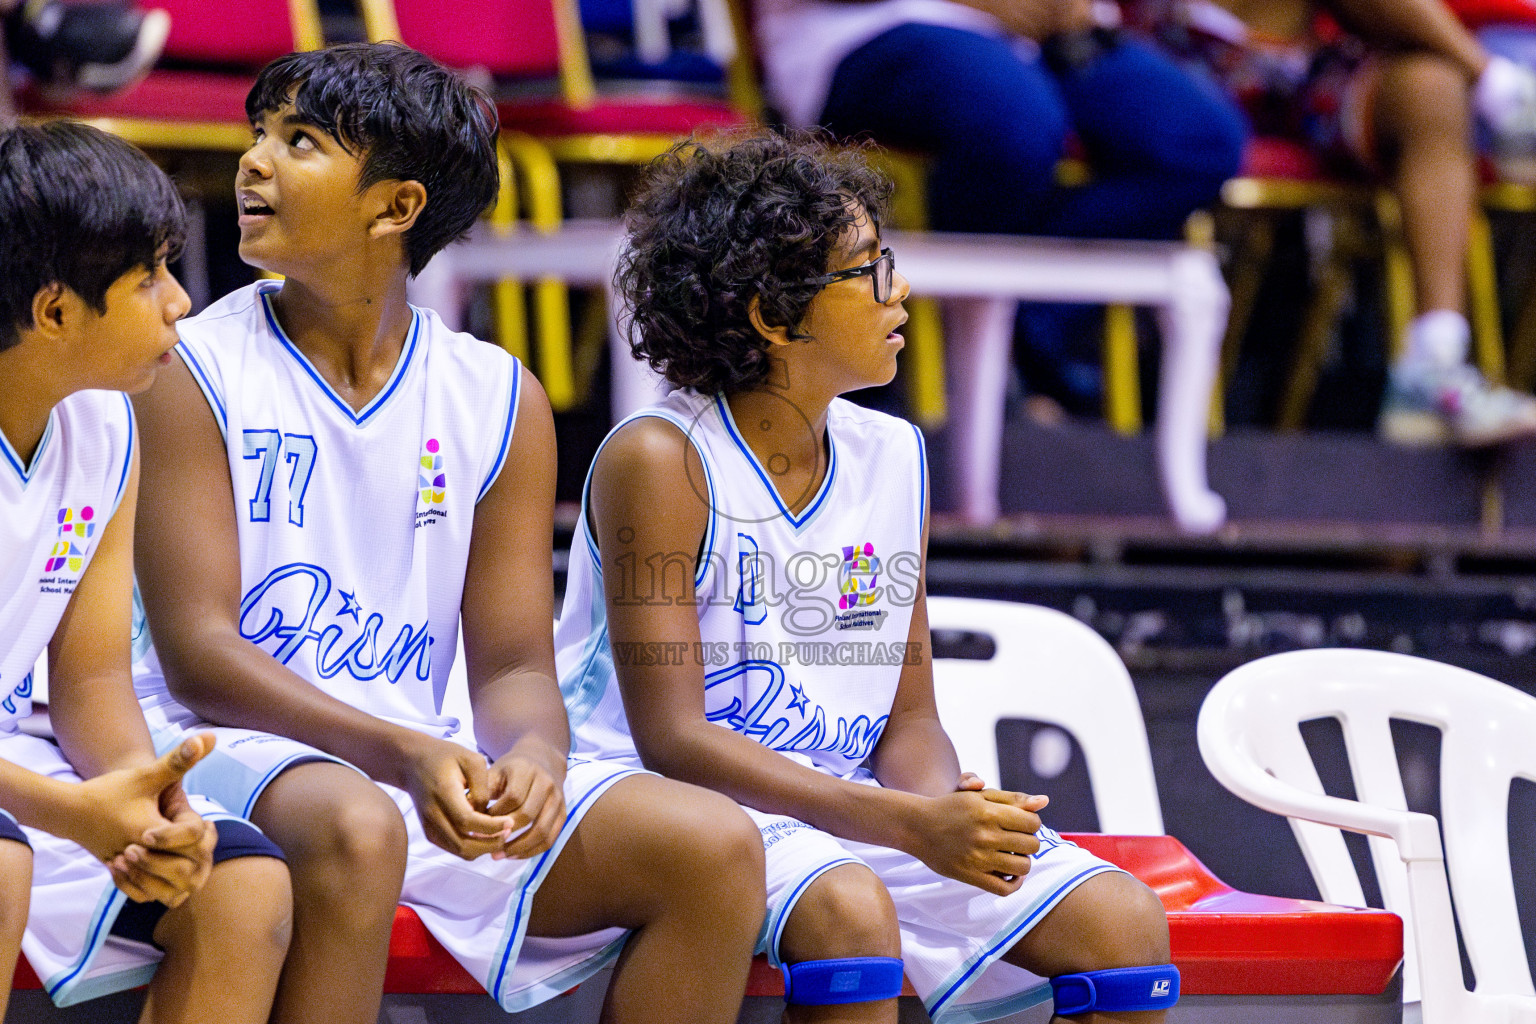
{"points": [[881, 273]]}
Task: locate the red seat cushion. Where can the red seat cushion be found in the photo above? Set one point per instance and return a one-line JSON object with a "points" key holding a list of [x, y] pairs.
{"points": [[1270, 157], [1225, 942], [617, 116], [162, 96]]}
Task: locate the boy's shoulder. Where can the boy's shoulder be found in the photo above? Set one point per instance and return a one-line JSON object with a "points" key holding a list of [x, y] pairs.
{"points": [[461, 344], [240, 311], [846, 416]]}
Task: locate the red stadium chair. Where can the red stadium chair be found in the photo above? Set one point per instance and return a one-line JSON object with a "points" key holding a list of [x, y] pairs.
{"points": [[203, 109], [1283, 176], [567, 121]]}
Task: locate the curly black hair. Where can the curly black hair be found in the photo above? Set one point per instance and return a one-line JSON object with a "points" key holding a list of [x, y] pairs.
{"points": [[715, 222]]}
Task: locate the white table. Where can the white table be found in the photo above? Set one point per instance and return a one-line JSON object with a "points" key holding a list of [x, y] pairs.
{"points": [[982, 276]]}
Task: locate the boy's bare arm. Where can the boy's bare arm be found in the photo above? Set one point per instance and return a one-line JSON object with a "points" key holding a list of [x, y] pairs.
{"points": [[95, 719], [507, 616], [189, 576], [914, 752], [644, 507], [1413, 24]]}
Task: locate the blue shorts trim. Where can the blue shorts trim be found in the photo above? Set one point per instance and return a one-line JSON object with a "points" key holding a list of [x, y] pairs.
{"points": [[12, 831], [137, 921]]}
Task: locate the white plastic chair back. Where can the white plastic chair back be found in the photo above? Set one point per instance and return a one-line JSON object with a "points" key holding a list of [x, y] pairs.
{"points": [[1250, 739], [1051, 668]]}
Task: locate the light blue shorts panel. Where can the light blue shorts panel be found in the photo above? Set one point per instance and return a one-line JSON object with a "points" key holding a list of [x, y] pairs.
{"points": [[243, 762]]}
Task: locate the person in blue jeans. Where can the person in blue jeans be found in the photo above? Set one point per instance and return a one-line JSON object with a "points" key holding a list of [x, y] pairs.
{"points": [[991, 90]]}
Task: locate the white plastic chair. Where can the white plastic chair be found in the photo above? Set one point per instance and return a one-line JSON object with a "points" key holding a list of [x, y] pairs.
{"points": [[1051, 668], [1250, 740]]}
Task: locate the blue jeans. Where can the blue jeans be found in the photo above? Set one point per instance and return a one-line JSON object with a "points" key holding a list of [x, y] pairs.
{"points": [[1159, 141]]}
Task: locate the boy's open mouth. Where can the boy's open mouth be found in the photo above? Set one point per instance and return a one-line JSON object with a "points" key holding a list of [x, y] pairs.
{"points": [[253, 207]]}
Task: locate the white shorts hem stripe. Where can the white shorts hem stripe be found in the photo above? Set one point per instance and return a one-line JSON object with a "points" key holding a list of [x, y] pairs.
{"points": [[997, 1009], [972, 969], [517, 926], [780, 918], [63, 986], [562, 982]]}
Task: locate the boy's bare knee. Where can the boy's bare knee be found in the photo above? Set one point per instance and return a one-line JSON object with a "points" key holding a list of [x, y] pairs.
{"points": [[15, 889], [246, 910], [847, 911], [354, 831], [1126, 926], [1422, 93]]}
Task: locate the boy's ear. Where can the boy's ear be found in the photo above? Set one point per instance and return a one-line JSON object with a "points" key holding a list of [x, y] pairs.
{"points": [[52, 307], [774, 335], [403, 203]]}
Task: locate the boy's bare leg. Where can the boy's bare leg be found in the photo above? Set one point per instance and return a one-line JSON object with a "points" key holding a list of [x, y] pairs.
{"points": [[15, 897], [845, 912], [345, 842], [1111, 920], [683, 867], [1424, 128], [224, 947]]}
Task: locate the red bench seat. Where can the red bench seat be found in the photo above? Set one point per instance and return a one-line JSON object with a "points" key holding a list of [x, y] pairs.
{"points": [[1225, 942]]}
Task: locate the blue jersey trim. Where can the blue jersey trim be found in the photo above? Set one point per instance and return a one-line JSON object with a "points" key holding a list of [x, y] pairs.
{"points": [[506, 430], [362, 416], [205, 383], [803, 519], [122, 478], [922, 479], [24, 473]]}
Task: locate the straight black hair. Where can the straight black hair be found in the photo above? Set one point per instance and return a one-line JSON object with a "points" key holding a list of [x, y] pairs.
{"points": [[80, 208], [410, 118]]}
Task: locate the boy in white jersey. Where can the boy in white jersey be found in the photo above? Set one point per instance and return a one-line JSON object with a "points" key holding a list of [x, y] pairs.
{"points": [[745, 611], [87, 307], [337, 480]]}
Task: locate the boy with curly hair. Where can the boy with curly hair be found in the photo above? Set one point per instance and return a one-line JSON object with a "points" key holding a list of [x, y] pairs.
{"points": [[745, 611]]}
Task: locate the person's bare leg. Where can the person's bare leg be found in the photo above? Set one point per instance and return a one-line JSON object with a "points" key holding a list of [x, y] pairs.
{"points": [[224, 947], [1424, 132], [15, 897], [683, 867], [345, 842], [845, 912], [7, 100], [1111, 920]]}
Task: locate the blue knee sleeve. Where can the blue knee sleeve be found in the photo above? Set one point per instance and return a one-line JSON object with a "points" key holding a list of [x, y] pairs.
{"points": [[855, 979], [1118, 990]]}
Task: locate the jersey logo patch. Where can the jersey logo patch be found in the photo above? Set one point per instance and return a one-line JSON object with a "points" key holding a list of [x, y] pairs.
{"points": [[858, 587], [430, 478], [75, 528]]}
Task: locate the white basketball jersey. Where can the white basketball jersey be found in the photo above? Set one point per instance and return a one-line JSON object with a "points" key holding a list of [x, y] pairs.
{"points": [[52, 514], [354, 525], [803, 618]]}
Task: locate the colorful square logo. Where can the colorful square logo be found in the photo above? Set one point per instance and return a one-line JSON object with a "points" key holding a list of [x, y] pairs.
{"points": [[431, 480], [76, 527]]}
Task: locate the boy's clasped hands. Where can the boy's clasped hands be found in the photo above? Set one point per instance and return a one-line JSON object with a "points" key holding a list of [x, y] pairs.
{"points": [[139, 823]]}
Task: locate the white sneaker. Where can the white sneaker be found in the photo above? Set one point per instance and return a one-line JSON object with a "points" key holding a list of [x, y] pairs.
{"points": [[1436, 406]]}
